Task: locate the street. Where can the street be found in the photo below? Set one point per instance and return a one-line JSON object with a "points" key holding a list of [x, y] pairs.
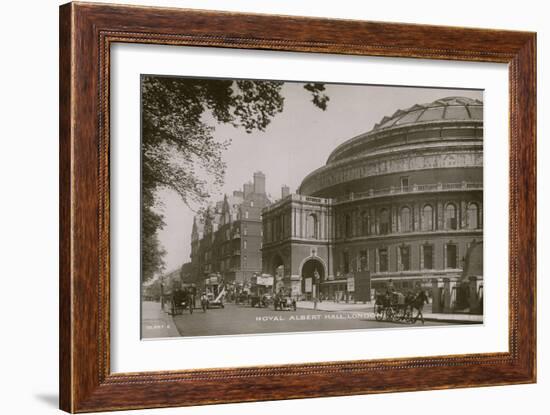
{"points": [[243, 319]]}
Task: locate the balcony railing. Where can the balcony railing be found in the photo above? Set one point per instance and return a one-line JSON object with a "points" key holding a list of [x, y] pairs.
{"points": [[373, 193], [415, 188]]}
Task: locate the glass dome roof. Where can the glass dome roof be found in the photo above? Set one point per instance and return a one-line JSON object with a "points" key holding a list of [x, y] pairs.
{"points": [[450, 108]]}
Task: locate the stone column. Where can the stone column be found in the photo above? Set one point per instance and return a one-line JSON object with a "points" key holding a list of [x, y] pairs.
{"points": [[330, 263], [416, 217], [474, 300], [304, 222], [463, 215], [398, 225], [450, 294], [398, 267], [393, 219], [354, 229], [437, 285], [440, 220]]}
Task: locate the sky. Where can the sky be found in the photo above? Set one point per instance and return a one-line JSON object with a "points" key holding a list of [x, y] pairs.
{"points": [[298, 141]]}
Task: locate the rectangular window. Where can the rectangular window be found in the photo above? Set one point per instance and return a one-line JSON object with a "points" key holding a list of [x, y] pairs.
{"points": [[244, 244], [383, 259], [348, 226], [345, 262], [404, 184], [428, 256], [451, 256], [404, 252]]}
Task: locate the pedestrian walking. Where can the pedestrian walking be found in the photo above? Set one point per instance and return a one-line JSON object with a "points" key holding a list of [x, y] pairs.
{"points": [[204, 302]]}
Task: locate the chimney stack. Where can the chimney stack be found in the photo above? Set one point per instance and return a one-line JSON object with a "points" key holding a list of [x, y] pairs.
{"points": [[285, 191], [248, 188], [259, 182]]}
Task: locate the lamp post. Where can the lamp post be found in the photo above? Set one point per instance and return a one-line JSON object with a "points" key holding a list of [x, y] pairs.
{"points": [[162, 292]]}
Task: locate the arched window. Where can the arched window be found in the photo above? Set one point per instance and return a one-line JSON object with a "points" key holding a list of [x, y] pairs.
{"points": [[427, 222], [450, 216], [365, 223], [312, 226], [348, 229], [473, 220], [384, 222], [405, 219]]}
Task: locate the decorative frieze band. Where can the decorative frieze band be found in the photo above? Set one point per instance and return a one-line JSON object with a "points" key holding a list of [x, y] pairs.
{"points": [[333, 176]]}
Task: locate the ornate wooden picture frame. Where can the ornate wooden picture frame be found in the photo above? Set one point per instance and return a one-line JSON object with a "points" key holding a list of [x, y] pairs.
{"points": [[87, 32]]}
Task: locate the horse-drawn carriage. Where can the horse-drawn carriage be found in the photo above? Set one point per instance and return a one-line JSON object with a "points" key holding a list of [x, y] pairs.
{"points": [[284, 302], [261, 301], [181, 299], [398, 307]]}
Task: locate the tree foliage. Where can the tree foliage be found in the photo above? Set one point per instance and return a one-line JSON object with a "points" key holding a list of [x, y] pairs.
{"points": [[178, 147]]}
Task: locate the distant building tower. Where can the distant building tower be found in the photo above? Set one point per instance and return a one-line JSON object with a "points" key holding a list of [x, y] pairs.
{"points": [[248, 189], [285, 191], [259, 183]]}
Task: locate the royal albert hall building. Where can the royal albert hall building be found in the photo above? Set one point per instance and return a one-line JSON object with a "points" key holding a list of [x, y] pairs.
{"points": [[401, 205]]}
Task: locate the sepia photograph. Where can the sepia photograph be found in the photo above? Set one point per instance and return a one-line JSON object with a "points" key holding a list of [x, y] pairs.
{"points": [[280, 206]]}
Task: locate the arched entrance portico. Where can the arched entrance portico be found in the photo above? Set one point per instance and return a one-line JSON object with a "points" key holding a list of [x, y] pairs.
{"points": [[312, 274]]}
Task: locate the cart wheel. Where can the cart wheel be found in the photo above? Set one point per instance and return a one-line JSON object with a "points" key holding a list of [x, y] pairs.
{"points": [[378, 313], [395, 314]]}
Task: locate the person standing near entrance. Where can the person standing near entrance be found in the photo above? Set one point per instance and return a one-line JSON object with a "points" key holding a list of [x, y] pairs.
{"points": [[316, 281]]}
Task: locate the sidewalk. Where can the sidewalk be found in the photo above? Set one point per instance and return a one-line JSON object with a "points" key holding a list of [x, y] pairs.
{"points": [[332, 306], [369, 307], [155, 322], [451, 317]]}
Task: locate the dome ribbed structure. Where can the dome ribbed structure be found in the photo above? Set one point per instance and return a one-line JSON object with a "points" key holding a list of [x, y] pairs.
{"points": [[450, 108]]}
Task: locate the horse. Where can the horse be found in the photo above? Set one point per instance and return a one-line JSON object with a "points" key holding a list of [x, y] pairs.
{"points": [[381, 306]]}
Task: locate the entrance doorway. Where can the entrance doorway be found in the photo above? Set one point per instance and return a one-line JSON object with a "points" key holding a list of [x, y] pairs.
{"points": [[313, 273]]}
